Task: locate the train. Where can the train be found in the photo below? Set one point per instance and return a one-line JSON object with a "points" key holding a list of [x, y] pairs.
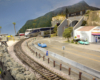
{"points": [[36, 31], [32, 33]]}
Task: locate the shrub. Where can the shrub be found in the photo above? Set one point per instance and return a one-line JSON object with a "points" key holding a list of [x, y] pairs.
{"points": [[75, 42], [84, 23], [72, 41], [53, 35]]}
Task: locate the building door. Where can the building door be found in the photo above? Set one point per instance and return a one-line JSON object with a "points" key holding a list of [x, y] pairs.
{"points": [[96, 39], [99, 39]]}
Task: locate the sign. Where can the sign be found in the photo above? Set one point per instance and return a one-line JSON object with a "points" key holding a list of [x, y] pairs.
{"points": [[46, 53], [63, 47], [78, 36]]}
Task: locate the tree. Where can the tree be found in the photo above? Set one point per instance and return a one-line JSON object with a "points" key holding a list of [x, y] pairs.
{"points": [[0, 29], [67, 12], [67, 33], [55, 29], [14, 27]]}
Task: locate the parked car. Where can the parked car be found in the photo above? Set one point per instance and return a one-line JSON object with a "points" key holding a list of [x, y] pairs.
{"points": [[83, 42], [48, 35], [42, 45]]}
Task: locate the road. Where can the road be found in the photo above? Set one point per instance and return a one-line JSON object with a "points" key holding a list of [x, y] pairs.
{"points": [[86, 57]]}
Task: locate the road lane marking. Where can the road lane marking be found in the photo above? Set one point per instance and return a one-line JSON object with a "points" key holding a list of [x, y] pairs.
{"points": [[77, 54], [85, 52]]}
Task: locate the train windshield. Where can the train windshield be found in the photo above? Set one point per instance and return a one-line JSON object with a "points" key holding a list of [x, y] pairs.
{"points": [[28, 30]]}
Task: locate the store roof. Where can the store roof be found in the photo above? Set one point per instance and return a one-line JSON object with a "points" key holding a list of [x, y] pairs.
{"points": [[86, 28]]}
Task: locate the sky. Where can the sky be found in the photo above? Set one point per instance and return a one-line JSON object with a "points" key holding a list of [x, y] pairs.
{"points": [[19, 11]]}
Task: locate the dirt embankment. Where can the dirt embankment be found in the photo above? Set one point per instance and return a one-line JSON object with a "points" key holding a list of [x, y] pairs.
{"points": [[93, 18]]}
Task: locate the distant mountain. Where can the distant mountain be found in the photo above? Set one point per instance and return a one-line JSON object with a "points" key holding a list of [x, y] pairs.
{"points": [[45, 21]]}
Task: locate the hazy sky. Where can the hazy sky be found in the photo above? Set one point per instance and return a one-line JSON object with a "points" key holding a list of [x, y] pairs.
{"points": [[20, 11]]}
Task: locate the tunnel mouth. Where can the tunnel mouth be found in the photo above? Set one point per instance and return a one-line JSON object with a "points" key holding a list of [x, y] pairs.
{"points": [[73, 23]]}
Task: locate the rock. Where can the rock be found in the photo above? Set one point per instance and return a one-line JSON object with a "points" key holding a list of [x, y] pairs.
{"points": [[30, 77], [20, 77], [16, 65], [14, 72], [27, 73], [22, 69], [9, 65]]}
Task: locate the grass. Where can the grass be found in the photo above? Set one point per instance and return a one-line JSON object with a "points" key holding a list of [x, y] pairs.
{"points": [[53, 35]]}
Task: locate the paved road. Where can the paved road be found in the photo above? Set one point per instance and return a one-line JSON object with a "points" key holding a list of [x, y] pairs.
{"points": [[86, 57]]}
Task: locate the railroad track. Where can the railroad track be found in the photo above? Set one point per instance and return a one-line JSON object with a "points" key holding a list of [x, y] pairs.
{"points": [[45, 73]]}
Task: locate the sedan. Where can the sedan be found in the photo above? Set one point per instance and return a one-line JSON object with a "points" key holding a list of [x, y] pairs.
{"points": [[42, 45], [83, 42]]}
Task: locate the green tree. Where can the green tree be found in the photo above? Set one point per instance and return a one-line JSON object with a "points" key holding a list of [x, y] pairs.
{"points": [[0, 29], [14, 27], [67, 32]]}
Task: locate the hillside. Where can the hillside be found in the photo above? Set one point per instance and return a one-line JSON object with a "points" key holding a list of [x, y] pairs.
{"points": [[45, 21], [93, 18]]}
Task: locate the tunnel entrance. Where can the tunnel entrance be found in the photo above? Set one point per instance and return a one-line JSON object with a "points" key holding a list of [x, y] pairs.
{"points": [[72, 24]]}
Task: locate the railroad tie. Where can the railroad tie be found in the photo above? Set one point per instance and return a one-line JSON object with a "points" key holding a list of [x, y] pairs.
{"points": [[53, 77]]}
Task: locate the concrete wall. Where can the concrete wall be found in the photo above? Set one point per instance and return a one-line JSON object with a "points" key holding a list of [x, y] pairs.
{"points": [[61, 27], [78, 25], [73, 63]]}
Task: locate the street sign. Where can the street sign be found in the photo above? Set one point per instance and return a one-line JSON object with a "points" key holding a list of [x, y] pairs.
{"points": [[46, 53], [63, 47]]}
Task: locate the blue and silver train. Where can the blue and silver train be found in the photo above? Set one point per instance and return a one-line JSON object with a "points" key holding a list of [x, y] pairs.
{"points": [[35, 32]]}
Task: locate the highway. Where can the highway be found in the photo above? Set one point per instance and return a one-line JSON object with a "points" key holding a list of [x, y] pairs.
{"points": [[86, 57]]}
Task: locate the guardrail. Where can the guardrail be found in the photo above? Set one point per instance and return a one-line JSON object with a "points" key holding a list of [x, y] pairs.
{"points": [[55, 63], [75, 64]]}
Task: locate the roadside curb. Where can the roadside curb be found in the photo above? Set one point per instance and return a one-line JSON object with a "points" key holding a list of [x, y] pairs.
{"points": [[83, 48]]}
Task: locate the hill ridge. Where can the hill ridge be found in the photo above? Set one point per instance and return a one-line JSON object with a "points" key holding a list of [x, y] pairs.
{"points": [[45, 20]]}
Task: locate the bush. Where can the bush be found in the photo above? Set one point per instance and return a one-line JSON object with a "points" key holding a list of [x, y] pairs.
{"points": [[53, 35], [75, 42], [72, 41], [84, 23]]}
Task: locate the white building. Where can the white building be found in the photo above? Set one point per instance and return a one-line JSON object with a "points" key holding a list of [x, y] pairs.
{"points": [[89, 33]]}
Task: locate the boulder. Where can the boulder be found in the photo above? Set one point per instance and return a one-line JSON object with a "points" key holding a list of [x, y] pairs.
{"points": [[14, 72], [30, 77], [20, 77], [27, 73]]}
